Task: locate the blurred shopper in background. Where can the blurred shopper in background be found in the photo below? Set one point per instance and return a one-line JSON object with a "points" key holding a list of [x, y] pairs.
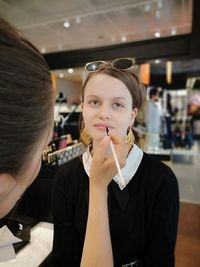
{"points": [[153, 119]]}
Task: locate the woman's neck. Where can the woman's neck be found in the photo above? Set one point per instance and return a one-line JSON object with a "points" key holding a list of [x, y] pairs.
{"points": [[94, 145]]}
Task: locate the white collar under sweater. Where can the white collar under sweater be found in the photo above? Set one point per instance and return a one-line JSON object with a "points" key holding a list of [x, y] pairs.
{"points": [[128, 171]]}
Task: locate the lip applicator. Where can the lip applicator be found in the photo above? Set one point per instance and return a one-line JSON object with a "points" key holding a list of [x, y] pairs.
{"points": [[115, 158]]}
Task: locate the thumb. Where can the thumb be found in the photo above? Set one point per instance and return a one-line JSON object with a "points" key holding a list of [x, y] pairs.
{"points": [[115, 139]]}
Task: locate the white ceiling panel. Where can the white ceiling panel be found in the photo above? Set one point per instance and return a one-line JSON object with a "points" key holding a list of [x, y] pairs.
{"points": [[95, 23]]}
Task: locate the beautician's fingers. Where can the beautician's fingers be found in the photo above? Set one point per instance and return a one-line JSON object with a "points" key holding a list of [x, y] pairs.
{"points": [[102, 149], [103, 167], [115, 139]]}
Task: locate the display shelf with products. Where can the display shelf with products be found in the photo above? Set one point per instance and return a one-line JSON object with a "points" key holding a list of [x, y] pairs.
{"points": [[177, 129], [64, 155]]}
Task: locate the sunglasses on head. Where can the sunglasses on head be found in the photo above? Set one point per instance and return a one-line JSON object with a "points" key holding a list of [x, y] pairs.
{"points": [[118, 64]]}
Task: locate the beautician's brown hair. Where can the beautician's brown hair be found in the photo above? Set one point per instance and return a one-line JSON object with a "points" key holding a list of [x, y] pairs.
{"points": [[26, 98]]}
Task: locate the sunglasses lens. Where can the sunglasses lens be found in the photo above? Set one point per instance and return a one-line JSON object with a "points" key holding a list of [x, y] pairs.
{"points": [[122, 63], [93, 66]]}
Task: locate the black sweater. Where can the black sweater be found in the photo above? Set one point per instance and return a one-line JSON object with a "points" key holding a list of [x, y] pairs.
{"points": [[143, 217]]}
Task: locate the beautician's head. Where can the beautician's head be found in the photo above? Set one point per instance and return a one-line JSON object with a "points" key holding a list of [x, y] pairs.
{"points": [[26, 114], [111, 97]]}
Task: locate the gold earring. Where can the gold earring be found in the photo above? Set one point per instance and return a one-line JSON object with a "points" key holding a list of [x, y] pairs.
{"points": [[85, 137], [130, 138]]}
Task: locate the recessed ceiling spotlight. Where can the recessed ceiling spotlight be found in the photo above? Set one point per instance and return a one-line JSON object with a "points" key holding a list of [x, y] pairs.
{"points": [[173, 32], [157, 61], [157, 34], [66, 24], [43, 50], [123, 38], [61, 75], [70, 70]]}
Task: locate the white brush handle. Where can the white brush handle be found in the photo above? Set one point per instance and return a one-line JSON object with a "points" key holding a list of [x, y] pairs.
{"points": [[116, 162]]}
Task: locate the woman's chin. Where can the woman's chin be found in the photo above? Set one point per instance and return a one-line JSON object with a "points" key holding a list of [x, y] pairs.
{"points": [[98, 138]]}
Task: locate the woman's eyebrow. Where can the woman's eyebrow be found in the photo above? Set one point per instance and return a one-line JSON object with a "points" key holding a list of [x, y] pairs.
{"points": [[113, 98], [92, 96], [119, 97]]}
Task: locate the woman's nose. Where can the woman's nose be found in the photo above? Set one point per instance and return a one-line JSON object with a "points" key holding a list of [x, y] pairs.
{"points": [[104, 112]]}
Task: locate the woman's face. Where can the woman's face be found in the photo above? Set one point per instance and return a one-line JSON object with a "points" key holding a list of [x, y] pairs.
{"points": [[107, 103], [11, 188]]}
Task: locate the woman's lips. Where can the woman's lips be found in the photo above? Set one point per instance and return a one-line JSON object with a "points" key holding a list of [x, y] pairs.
{"points": [[102, 127]]}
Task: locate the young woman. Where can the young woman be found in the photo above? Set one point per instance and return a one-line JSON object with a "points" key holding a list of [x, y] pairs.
{"points": [[97, 216], [26, 114]]}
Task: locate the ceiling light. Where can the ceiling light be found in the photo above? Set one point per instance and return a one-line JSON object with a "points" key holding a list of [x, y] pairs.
{"points": [[157, 61], [173, 32], [169, 72], [70, 70], [43, 50], [61, 75], [123, 38], [66, 24], [157, 34]]}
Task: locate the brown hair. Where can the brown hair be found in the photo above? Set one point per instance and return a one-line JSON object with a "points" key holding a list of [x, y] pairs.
{"points": [[26, 98], [131, 81]]}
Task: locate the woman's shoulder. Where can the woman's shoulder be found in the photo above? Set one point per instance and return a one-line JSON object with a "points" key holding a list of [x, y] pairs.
{"points": [[157, 179], [156, 169], [152, 162]]}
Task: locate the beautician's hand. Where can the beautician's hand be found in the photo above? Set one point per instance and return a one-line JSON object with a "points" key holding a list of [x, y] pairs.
{"points": [[103, 167]]}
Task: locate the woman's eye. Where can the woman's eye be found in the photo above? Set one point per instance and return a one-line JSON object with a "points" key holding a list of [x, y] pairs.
{"points": [[118, 105], [94, 102]]}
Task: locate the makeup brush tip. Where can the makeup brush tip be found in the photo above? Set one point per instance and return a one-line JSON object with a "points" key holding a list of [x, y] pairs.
{"points": [[107, 131]]}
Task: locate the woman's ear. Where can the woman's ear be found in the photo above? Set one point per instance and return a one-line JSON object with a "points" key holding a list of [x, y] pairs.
{"points": [[133, 115]]}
